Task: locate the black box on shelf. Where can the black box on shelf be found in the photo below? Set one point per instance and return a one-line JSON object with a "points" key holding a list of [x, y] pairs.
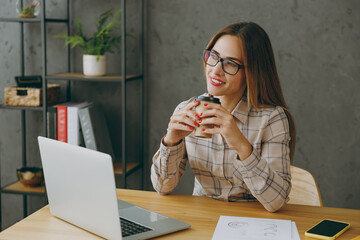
{"points": [[29, 81]]}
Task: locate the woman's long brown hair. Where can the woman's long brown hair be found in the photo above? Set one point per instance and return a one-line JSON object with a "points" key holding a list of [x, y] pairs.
{"points": [[263, 84]]}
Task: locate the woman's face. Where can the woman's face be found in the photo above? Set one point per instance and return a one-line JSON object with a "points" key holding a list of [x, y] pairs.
{"points": [[220, 83]]}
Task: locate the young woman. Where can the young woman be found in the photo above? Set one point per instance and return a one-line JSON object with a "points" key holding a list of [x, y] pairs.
{"points": [[253, 138]]}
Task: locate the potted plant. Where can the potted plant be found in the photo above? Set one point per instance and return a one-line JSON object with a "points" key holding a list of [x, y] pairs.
{"points": [[30, 10], [104, 40]]}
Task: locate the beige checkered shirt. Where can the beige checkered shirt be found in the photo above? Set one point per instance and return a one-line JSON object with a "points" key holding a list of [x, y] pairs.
{"points": [[263, 176]]}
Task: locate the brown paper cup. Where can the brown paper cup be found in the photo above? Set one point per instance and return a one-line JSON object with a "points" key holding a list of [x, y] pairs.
{"points": [[199, 109]]}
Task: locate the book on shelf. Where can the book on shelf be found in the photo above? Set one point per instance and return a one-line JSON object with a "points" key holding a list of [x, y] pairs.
{"points": [[95, 130], [73, 123], [61, 122], [52, 124], [68, 123]]}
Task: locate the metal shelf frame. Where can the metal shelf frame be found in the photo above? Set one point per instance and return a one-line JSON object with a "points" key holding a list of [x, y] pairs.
{"points": [[43, 21], [39, 20], [122, 79]]}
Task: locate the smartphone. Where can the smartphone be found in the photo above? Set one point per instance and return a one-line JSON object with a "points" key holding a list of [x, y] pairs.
{"points": [[327, 229]]}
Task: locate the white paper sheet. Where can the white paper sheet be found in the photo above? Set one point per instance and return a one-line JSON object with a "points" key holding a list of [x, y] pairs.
{"points": [[236, 228], [294, 232]]}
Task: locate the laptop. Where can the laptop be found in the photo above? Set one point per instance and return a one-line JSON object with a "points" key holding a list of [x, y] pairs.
{"points": [[80, 186]]}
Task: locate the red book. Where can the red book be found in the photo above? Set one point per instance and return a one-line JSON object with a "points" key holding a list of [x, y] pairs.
{"points": [[62, 123]]}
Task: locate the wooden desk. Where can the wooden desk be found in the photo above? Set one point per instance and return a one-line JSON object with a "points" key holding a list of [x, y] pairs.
{"points": [[201, 212]]}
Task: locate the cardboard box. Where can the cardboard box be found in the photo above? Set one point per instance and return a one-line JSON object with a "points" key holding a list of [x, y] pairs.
{"points": [[31, 97]]}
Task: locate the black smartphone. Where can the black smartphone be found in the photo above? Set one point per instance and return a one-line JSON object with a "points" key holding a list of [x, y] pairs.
{"points": [[327, 229]]}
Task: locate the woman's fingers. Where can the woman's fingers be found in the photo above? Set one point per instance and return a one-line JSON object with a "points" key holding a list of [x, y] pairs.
{"points": [[191, 105], [181, 127], [212, 121], [213, 109], [217, 119], [181, 124], [185, 117], [214, 130]]}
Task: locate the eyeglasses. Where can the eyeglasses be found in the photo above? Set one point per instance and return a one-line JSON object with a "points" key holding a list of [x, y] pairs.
{"points": [[228, 66]]}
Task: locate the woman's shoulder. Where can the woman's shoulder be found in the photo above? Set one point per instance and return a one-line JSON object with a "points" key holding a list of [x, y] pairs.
{"points": [[267, 111], [268, 115]]}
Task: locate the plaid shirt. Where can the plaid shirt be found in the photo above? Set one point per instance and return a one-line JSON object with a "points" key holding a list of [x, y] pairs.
{"points": [[220, 174]]}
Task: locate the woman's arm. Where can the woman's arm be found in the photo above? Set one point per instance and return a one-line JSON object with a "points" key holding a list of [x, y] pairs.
{"points": [[168, 167], [265, 172], [170, 160]]}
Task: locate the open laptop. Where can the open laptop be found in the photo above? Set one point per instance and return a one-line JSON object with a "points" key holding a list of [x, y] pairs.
{"points": [[80, 186]]}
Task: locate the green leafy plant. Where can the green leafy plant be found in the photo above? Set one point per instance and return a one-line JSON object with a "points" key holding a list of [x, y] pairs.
{"points": [[29, 11], [105, 39]]}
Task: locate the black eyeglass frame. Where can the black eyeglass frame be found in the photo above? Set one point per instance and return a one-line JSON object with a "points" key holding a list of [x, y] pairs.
{"points": [[222, 62]]}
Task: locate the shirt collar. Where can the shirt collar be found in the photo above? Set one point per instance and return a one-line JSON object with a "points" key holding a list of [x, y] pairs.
{"points": [[241, 110]]}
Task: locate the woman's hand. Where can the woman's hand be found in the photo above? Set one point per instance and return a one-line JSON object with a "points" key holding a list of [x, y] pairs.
{"points": [[181, 124], [224, 124]]}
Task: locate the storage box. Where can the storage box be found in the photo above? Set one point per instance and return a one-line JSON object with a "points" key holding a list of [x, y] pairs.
{"points": [[31, 97]]}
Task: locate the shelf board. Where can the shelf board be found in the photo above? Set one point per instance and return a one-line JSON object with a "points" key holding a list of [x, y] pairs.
{"points": [[21, 107], [130, 167], [18, 19], [82, 77], [50, 107], [31, 20], [18, 188]]}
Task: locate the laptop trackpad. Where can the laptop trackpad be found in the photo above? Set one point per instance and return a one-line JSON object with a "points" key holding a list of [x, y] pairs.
{"points": [[140, 215]]}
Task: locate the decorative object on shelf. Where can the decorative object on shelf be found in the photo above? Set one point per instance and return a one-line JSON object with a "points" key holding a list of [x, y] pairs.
{"points": [[29, 81], [28, 8], [105, 39], [31, 97], [30, 176], [94, 65]]}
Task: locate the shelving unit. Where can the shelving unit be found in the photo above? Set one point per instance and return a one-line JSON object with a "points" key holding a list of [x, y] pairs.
{"points": [[123, 79], [16, 187]]}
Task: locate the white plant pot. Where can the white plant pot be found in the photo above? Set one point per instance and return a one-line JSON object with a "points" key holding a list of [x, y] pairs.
{"points": [[92, 67]]}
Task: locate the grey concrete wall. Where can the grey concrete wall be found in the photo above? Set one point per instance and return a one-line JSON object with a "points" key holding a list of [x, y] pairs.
{"points": [[316, 46], [317, 52]]}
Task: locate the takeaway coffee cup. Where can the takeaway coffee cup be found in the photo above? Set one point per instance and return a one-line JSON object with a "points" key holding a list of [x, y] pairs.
{"points": [[199, 109]]}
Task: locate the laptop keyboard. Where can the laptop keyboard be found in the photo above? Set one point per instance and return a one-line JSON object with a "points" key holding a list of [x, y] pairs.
{"points": [[129, 228]]}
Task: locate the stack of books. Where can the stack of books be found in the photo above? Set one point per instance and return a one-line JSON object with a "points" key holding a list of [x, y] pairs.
{"points": [[83, 124]]}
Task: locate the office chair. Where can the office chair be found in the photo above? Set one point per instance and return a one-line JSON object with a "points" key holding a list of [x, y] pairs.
{"points": [[304, 189]]}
